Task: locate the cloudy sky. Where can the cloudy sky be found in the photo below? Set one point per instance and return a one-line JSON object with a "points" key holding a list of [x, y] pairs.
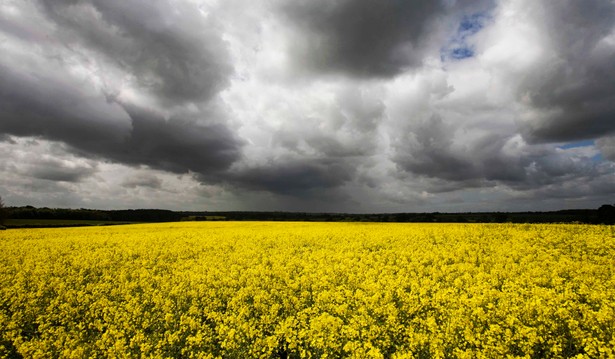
{"points": [[321, 105]]}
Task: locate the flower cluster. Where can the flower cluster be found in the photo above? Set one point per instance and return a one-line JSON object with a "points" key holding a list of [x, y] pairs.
{"points": [[308, 290]]}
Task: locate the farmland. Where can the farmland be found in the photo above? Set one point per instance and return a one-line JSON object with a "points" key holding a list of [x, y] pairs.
{"points": [[308, 290]]}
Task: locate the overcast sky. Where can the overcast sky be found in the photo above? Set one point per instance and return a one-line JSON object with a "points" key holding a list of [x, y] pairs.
{"points": [[321, 105]]}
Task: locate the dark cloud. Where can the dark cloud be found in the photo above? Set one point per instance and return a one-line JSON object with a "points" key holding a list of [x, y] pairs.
{"points": [[429, 150], [142, 180], [362, 37], [45, 105], [177, 144], [170, 48], [54, 170], [172, 51], [368, 38], [572, 94], [597, 186], [294, 177], [41, 106]]}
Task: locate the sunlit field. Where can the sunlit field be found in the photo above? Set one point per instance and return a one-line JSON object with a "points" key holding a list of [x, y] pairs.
{"points": [[308, 290]]}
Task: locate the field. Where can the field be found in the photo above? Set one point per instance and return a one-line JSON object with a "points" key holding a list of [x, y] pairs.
{"points": [[308, 290]]}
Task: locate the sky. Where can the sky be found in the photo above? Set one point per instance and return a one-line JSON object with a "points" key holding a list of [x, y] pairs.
{"points": [[313, 106]]}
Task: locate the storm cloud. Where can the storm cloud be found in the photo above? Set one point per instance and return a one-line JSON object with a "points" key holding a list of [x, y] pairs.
{"points": [[569, 89], [110, 130], [349, 105], [368, 38], [164, 51], [169, 48], [295, 177]]}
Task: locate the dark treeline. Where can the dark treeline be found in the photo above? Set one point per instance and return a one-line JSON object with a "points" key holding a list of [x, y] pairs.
{"points": [[130, 215], [603, 215]]}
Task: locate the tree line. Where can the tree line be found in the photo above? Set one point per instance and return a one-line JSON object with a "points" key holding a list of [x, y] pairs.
{"points": [[603, 215], [3, 214]]}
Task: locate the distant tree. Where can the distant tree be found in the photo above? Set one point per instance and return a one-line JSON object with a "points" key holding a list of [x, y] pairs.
{"points": [[3, 212], [606, 214], [499, 217]]}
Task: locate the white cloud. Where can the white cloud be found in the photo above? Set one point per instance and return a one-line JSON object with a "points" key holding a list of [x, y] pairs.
{"points": [[606, 145]]}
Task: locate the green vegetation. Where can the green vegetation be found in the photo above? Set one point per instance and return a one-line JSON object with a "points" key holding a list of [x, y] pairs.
{"points": [[62, 217], [45, 223], [203, 218], [3, 214]]}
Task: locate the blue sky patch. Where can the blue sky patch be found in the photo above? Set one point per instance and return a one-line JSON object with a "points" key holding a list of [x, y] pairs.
{"points": [[472, 24], [586, 143], [458, 47], [461, 53], [598, 158], [578, 144]]}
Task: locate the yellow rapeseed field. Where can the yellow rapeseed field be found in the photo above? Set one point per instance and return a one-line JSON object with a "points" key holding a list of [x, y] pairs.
{"points": [[308, 290]]}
